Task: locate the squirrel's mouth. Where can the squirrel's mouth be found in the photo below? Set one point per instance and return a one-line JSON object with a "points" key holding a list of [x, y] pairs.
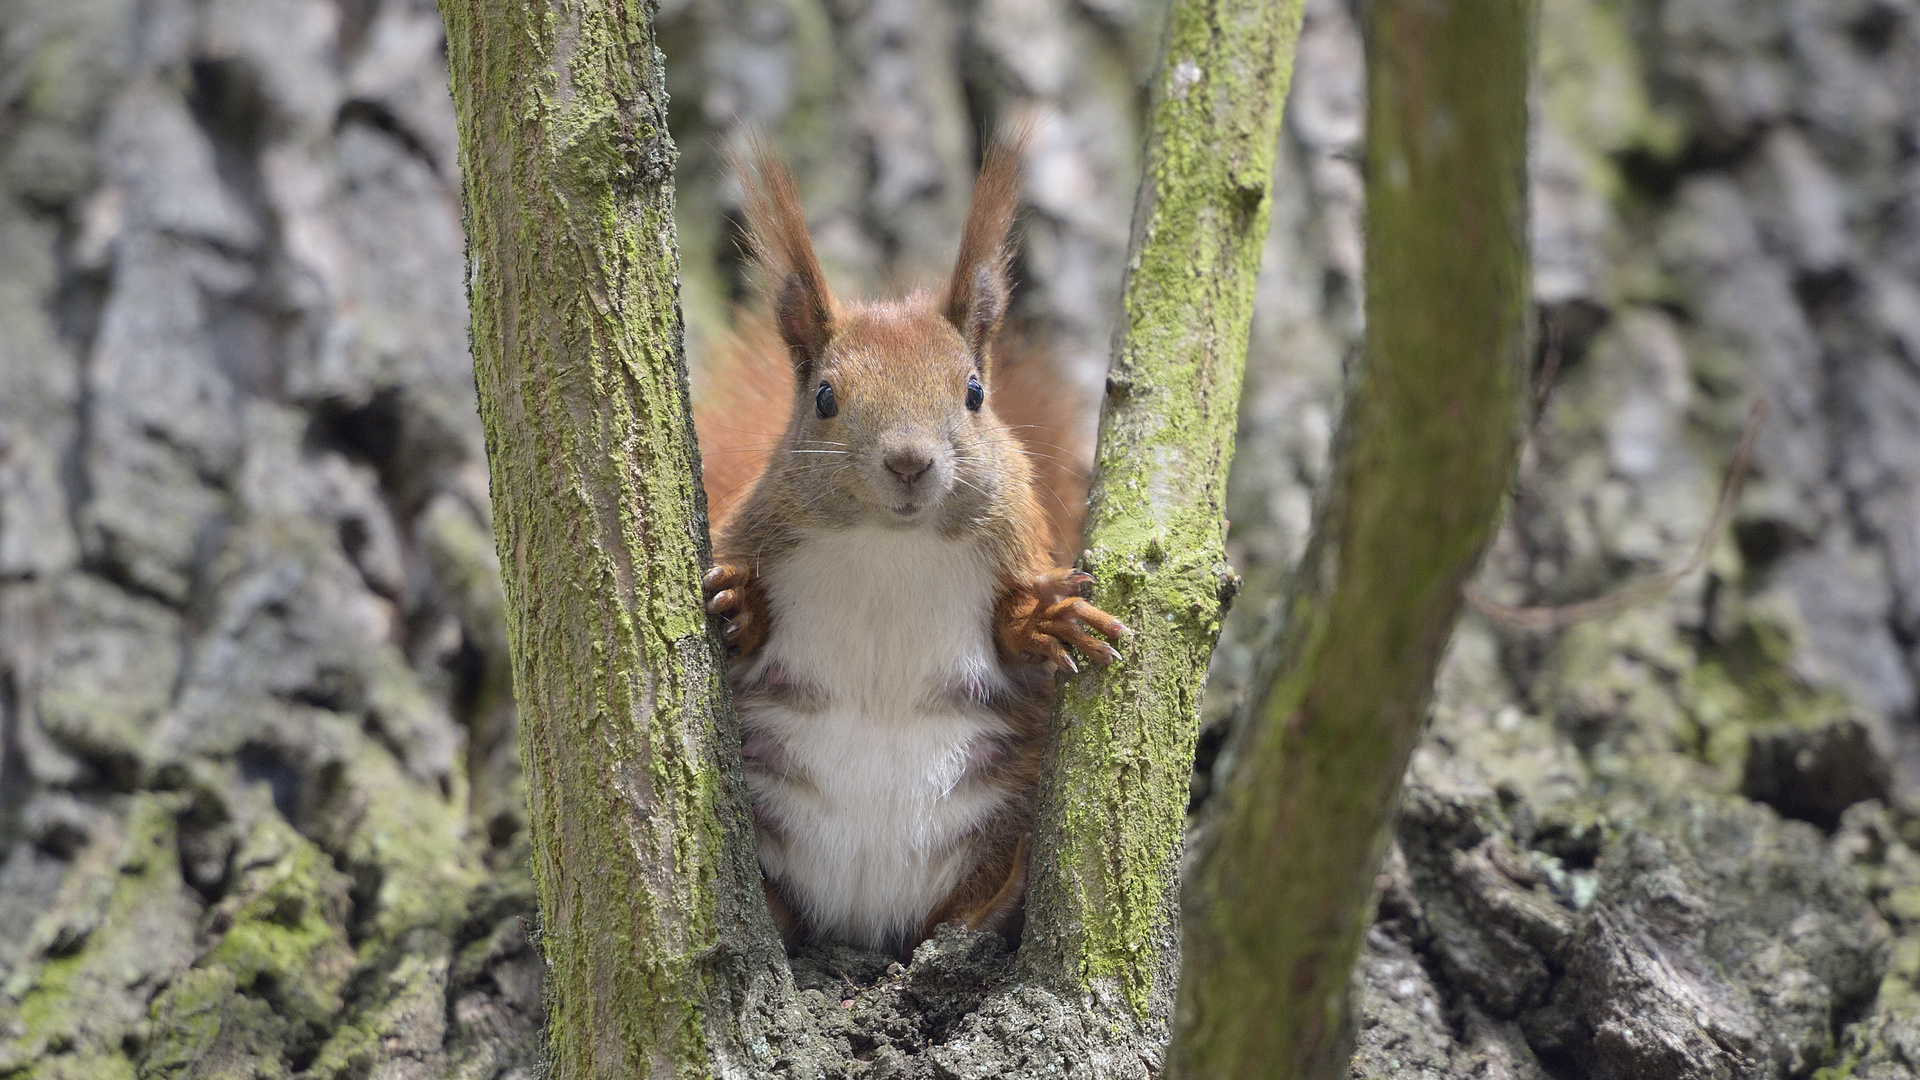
{"points": [[906, 509]]}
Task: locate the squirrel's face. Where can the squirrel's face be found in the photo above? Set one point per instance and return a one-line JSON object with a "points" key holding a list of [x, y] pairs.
{"points": [[894, 420]]}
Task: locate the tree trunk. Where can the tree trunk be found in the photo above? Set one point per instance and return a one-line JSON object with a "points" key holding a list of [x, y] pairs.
{"points": [[1120, 751], [642, 848], [1283, 882]]}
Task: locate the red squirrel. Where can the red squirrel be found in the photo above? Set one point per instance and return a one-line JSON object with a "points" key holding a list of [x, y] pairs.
{"points": [[890, 510]]}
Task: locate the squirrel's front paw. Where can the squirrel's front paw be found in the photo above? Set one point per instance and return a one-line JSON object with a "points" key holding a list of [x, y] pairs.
{"points": [[1037, 619], [733, 593]]}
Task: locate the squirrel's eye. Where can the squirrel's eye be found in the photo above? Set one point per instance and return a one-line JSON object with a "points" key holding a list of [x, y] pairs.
{"points": [[823, 402], [976, 394]]}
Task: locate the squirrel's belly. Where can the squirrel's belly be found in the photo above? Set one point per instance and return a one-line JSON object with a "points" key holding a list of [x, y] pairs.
{"points": [[872, 716], [866, 825]]}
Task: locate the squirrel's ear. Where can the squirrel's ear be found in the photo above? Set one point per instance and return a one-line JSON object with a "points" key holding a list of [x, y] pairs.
{"points": [[805, 315], [777, 235], [976, 312], [977, 292]]}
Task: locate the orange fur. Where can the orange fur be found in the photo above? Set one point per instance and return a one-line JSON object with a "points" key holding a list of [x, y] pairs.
{"points": [[1053, 420], [801, 304], [1043, 615], [743, 399], [989, 900], [742, 396]]}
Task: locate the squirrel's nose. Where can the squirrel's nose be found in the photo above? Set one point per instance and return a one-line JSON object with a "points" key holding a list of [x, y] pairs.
{"points": [[909, 465]]}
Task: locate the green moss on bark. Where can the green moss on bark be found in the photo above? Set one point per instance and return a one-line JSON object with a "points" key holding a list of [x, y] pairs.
{"points": [[271, 981], [1121, 747], [117, 926], [642, 849]]}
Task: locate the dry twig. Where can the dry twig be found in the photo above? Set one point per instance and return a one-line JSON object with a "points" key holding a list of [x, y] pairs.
{"points": [[1559, 616]]}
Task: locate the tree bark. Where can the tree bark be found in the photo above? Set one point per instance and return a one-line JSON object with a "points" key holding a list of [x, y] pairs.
{"points": [[1282, 888], [642, 850], [1120, 750], [248, 599]]}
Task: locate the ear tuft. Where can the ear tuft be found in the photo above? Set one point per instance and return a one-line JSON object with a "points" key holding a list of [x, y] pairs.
{"points": [[777, 236], [978, 290]]}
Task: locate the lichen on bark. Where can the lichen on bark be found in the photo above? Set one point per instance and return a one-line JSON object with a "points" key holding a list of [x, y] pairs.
{"points": [[641, 847], [1120, 749]]}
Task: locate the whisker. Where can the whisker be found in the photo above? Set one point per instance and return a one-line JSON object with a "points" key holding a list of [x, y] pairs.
{"points": [[1052, 494], [762, 448], [827, 492], [1057, 459], [1075, 451], [1032, 427]]}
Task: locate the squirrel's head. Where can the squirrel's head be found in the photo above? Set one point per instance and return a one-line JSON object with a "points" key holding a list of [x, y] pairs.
{"points": [[893, 419]]}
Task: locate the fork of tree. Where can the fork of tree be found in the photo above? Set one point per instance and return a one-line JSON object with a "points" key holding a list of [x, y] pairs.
{"points": [[661, 958]]}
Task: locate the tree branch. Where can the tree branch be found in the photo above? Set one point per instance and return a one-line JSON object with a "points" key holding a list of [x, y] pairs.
{"points": [[1287, 855], [1120, 753]]}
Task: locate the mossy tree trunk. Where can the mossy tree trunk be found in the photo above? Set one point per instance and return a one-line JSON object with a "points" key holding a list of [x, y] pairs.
{"points": [[1105, 870], [642, 850], [1289, 849]]}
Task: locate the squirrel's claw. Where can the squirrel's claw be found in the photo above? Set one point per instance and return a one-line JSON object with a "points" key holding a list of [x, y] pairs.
{"points": [[1038, 620], [734, 598], [1072, 634], [1073, 612], [1059, 657]]}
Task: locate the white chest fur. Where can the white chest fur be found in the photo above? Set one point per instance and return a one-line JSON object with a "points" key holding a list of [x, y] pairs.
{"points": [[887, 633]]}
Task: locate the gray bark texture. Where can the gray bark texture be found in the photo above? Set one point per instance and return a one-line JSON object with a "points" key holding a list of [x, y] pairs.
{"points": [[259, 786]]}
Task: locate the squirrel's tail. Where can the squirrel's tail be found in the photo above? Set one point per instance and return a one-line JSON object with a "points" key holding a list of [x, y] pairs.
{"points": [[1056, 421], [742, 395]]}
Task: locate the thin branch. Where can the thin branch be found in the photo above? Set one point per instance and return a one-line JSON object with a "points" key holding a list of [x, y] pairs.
{"points": [[1549, 365], [1560, 616], [1112, 813]]}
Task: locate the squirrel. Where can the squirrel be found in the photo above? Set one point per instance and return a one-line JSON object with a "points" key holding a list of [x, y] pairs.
{"points": [[890, 523]]}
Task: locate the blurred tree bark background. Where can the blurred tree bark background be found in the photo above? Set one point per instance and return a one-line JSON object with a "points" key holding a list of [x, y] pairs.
{"points": [[259, 787]]}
